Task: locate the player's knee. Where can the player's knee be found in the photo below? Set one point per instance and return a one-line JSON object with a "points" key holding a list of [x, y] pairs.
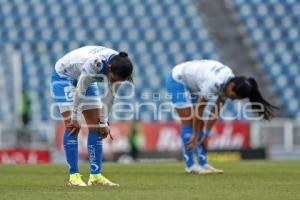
{"points": [[66, 117], [93, 123], [187, 122], [66, 122], [93, 128]]}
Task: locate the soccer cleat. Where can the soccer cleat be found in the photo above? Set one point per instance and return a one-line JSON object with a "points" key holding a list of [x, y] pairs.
{"points": [[210, 168], [196, 169], [99, 179], [75, 180]]}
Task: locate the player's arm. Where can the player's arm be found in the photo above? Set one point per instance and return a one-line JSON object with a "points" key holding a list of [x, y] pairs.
{"points": [[108, 101], [214, 114], [84, 81], [213, 117], [89, 69], [198, 121]]}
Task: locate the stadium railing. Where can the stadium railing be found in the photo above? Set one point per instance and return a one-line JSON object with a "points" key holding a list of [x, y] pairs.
{"points": [[280, 137]]}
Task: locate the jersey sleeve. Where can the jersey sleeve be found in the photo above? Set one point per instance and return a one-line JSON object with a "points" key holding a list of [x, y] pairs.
{"points": [[108, 100], [83, 82], [208, 89], [216, 89], [215, 81]]}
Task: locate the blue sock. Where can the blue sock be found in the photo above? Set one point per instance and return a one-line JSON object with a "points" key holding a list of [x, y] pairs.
{"points": [[71, 150], [94, 144], [186, 134], [201, 152]]}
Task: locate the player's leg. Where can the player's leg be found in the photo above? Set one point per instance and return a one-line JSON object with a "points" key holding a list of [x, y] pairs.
{"points": [[62, 93], [184, 109], [201, 149], [94, 142], [186, 134], [202, 157], [91, 113], [70, 142]]}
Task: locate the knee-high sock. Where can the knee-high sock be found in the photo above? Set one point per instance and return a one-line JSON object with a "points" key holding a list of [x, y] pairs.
{"points": [[94, 144], [71, 150], [186, 134], [201, 151]]}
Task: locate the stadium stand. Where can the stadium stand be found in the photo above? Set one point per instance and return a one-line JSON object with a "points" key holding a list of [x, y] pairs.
{"points": [[156, 34], [273, 29]]}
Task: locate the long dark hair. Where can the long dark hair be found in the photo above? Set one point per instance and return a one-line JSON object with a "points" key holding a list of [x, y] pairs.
{"points": [[121, 65], [248, 88]]}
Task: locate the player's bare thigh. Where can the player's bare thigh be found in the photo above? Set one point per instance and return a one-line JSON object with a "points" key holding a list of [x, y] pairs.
{"points": [[91, 116], [186, 115], [66, 117]]}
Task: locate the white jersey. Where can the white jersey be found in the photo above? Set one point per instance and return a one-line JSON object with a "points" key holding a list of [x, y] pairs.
{"points": [[82, 65], [84, 59], [203, 77]]}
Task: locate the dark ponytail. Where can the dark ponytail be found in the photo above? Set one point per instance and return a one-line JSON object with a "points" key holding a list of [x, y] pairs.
{"points": [[256, 97], [248, 88], [121, 66]]}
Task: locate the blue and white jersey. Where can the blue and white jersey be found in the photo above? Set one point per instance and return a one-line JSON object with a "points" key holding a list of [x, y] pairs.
{"points": [[90, 59], [203, 77], [80, 67]]}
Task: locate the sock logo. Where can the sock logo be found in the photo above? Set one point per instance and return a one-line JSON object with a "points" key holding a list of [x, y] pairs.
{"points": [[92, 155], [71, 142], [186, 157], [202, 157], [95, 166]]}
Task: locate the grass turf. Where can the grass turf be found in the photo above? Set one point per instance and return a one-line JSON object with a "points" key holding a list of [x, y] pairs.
{"points": [[143, 181]]}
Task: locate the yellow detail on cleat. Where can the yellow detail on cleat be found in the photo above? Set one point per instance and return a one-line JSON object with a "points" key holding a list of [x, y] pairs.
{"points": [[75, 180], [99, 179]]}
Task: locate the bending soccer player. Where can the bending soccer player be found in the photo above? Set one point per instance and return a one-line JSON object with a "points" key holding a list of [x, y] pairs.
{"points": [[203, 80], [76, 91]]}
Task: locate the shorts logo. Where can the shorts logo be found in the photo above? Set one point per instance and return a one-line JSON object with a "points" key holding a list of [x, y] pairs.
{"points": [[69, 91]]}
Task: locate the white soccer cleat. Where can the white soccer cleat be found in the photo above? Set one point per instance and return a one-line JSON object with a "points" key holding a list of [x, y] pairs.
{"points": [[99, 179], [75, 180], [196, 169], [213, 170]]}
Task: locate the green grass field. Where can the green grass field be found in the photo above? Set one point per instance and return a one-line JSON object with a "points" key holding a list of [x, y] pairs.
{"points": [[143, 181]]}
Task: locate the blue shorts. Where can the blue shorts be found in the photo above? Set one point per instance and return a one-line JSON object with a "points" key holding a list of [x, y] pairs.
{"points": [[62, 91], [180, 96]]}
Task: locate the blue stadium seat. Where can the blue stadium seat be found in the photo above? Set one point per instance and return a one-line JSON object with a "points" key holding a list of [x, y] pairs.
{"points": [[157, 35], [273, 27]]}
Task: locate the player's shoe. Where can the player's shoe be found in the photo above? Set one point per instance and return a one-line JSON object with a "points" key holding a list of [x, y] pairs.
{"points": [[196, 169], [75, 180], [99, 179], [212, 169]]}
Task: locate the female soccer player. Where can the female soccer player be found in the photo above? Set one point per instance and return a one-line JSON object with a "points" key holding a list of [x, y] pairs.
{"points": [[204, 79], [75, 89]]}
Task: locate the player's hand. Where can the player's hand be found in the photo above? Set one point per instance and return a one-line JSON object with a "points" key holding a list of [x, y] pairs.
{"points": [[192, 143], [104, 131], [74, 126], [204, 141]]}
